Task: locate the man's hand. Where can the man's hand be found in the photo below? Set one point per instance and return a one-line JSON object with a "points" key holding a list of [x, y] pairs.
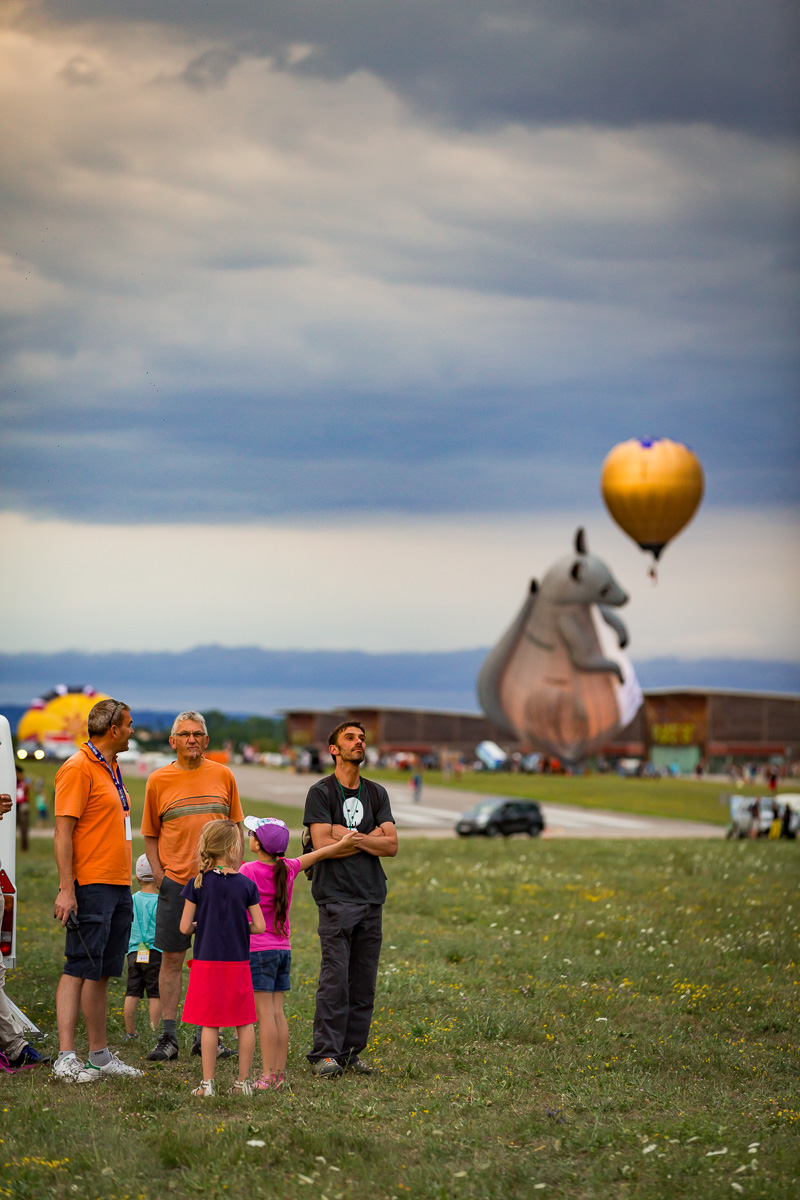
{"points": [[153, 857], [65, 904], [347, 844], [65, 900], [5, 804], [352, 838]]}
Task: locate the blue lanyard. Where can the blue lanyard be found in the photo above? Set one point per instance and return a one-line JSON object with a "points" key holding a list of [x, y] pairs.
{"points": [[115, 775]]}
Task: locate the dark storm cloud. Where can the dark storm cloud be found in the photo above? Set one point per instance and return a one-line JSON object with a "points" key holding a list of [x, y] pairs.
{"points": [[243, 279], [618, 62], [228, 457]]}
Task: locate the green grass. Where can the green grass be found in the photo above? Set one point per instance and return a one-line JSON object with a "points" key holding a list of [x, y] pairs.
{"points": [[687, 799], [564, 1018]]}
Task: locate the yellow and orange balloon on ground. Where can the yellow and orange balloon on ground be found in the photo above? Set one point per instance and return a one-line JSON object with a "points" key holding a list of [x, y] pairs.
{"points": [[652, 488], [59, 716]]}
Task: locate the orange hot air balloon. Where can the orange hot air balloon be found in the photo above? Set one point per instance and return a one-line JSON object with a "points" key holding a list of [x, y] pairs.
{"points": [[652, 487], [60, 716]]}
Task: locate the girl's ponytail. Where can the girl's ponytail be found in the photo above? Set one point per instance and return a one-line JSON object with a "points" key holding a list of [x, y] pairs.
{"points": [[205, 864], [281, 897]]}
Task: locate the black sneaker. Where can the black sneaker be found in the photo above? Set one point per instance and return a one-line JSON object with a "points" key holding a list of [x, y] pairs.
{"points": [[326, 1068], [28, 1057], [223, 1051], [358, 1066], [165, 1049]]}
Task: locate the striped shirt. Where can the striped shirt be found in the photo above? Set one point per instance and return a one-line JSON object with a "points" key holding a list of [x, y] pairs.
{"points": [[179, 803]]}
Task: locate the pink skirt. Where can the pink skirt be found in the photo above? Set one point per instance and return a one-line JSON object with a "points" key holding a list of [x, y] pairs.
{"points": [[219, 993]]}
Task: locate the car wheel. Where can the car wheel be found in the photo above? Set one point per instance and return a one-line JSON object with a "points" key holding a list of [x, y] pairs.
{"points": [[492, 831], [534, 830]]}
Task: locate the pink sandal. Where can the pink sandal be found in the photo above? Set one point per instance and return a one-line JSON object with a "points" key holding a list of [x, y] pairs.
{"points": [[264, 1083]]}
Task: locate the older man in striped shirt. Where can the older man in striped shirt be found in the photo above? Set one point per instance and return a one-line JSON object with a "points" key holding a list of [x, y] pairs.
{"points": [[180, 799]]}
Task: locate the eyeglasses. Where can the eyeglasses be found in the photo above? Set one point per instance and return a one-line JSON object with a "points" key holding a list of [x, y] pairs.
{"points": [[192, 734]]}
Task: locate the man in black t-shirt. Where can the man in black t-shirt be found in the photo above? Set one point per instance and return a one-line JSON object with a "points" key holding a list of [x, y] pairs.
{"points": [[349, 892]]}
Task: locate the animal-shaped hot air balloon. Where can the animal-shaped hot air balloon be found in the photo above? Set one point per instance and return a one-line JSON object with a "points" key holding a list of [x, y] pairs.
{"points": [[558, 679], [652, 487]]}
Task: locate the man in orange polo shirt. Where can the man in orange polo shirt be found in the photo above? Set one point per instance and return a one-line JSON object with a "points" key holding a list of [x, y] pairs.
{"points": [[93, 856], [180, 799]]}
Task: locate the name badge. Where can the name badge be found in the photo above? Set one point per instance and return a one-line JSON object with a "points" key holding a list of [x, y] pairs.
{"points": [[128, 831], [143, 953]]}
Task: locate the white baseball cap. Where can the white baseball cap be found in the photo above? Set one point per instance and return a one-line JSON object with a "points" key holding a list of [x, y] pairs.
{"points": [[144, 872]]}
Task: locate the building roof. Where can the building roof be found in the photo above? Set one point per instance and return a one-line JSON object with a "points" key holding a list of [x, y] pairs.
{"points": [[704, 691]]}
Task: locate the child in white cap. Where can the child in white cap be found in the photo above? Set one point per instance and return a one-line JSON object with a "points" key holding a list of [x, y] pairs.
{"points": [[144, 960], [271, 951]]}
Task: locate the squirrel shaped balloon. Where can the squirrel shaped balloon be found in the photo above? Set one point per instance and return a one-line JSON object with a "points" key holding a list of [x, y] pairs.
{"points": [[559, 679]]}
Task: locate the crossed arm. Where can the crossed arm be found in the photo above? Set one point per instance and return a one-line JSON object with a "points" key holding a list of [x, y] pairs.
{"points": [[382, 842]]}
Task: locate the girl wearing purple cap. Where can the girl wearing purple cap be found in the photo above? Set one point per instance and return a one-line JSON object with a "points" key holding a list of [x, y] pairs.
{"points": [[270, 952]]}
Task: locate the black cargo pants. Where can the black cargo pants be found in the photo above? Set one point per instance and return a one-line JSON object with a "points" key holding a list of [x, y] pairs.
{"points": [[350, 941]]}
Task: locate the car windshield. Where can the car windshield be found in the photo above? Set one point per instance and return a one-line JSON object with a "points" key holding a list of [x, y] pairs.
{"points": [[484, 809]]}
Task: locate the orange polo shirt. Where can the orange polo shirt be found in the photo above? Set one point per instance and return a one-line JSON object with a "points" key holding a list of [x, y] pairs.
{"points": [[178, 803], [100, 851]]}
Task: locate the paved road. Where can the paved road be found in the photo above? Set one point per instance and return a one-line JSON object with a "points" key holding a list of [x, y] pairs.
{"points": [[436, 814]]}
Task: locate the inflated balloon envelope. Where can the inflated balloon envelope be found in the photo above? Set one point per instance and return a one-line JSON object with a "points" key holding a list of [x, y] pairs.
{"points": [[652, 488], [559, 678]]}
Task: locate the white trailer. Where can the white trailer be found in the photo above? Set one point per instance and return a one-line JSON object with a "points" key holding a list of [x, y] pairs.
{"points": [[8, 868]]}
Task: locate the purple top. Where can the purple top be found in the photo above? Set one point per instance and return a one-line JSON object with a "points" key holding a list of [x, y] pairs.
{"points": [[223, 922], [263, 875]]}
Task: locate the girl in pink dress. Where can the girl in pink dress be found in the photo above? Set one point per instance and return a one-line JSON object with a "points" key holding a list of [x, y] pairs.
{"points": [[221, 909]]}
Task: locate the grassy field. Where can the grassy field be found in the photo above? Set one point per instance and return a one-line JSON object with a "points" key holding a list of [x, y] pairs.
{"points": [[566, 1019], [687, 799]]}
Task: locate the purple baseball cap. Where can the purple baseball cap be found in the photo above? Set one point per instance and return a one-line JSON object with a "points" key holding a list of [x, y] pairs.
{"points": [[271, 834]]}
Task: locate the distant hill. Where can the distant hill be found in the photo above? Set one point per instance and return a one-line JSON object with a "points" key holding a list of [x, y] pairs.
{"points": [[247, 679]]}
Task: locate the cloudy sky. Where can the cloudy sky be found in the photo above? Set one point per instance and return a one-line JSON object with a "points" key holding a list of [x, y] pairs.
{"points": [[320, 317]]}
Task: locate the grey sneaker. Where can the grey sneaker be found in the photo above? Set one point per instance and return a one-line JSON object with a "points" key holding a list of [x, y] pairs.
{"points": [[358, 1066], [165, 1049], [326, 1068], [71, 1070], [116, 1067]]}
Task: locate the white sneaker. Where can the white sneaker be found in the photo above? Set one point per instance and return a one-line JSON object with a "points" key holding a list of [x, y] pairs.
{"points": [[116, 1067], [71, 1070]]}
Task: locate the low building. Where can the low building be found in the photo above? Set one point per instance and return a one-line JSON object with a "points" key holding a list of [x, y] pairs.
{"points": [[720, 726], [395, 730], [674, 727]]}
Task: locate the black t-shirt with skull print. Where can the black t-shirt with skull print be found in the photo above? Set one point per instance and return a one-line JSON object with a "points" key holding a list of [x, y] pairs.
{"points": [[360, 878]]}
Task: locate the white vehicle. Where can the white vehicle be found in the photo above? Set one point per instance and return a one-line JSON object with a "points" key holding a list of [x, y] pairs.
{"points": [[741, 818], [8, 872]]}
